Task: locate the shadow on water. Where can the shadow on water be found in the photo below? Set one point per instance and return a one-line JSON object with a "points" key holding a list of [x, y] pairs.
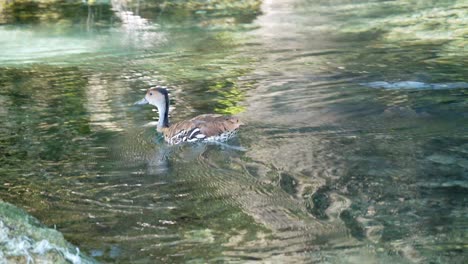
{"points": [[334, 171]]}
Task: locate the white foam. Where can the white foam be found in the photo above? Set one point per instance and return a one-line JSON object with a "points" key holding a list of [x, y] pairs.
{"points": [[42, 247], [73, 258], [410, 85], [21, 245]]}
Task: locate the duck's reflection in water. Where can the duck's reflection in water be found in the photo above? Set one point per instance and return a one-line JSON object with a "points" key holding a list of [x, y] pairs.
{"points": [[158, 163]]}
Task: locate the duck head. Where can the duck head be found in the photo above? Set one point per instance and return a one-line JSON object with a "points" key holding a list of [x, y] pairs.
{"points": [[158, 97]]}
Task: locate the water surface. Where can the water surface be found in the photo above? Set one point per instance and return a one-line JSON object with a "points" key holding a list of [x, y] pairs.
{"points": [[336, 169]]}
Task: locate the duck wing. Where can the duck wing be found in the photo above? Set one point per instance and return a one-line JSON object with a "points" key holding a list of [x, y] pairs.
{"points": [[202, 127]]}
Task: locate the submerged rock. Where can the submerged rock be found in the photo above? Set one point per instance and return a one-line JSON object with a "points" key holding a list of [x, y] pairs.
{"points": [[400, 111], [409, 85], [23, 239], [442, 159]]}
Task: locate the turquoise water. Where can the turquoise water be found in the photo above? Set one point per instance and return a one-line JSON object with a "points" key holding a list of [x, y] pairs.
{"points": [[356, 135]]}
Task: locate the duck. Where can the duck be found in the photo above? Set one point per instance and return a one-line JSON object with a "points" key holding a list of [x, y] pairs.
{"points": [[206, 127]]}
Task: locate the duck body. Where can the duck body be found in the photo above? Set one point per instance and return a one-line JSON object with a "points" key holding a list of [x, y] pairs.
{"points": [[209, 127], [202, 128]]}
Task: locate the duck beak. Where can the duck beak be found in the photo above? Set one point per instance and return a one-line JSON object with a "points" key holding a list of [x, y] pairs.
{"points": [[141, 102]]}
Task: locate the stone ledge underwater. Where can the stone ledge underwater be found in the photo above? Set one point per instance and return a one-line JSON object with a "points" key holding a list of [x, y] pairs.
{"points": [[23, 239]]}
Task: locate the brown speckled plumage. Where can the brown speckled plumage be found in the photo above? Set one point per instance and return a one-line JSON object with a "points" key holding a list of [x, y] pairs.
{"points": [[207, 127]]}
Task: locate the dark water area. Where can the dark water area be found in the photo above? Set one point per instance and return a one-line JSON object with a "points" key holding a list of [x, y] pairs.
{"points": [[355, 136]]}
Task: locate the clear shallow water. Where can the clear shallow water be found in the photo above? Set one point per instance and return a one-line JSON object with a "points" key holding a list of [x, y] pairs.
{"points": [[335, 171]]}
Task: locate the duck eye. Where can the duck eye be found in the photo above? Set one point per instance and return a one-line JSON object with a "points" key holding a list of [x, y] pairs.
{"points": [[151, 94]]}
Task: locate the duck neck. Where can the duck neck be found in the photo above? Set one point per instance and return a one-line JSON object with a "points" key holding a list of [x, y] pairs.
{"points": [[163, 114]]}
